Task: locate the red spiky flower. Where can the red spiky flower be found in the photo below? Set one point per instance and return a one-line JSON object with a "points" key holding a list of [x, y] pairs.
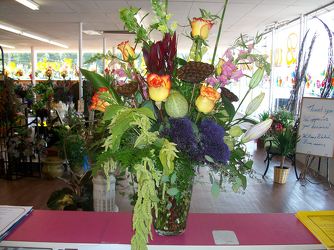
{"points": [[159, 58]]}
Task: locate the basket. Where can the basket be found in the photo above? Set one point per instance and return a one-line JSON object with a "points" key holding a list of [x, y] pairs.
{"points": [[281, 174], [104, 197]]}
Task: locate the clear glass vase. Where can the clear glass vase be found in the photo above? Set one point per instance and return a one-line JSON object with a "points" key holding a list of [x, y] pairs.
{"points": [[173, 212]]}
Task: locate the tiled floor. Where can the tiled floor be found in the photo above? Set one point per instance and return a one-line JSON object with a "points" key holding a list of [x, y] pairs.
{"points": [[261, 195]]}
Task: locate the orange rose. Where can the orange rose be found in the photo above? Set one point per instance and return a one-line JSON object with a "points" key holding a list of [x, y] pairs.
{"points": [[97, 103], [127, 51], [158, 87], [201, 27], [207, 99]]}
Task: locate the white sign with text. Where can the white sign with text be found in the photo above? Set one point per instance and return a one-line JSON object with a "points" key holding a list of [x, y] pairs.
{"points": [[316, 129]]}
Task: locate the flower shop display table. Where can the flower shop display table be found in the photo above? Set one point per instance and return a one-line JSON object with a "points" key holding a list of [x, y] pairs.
{"points": [[107, 230]]}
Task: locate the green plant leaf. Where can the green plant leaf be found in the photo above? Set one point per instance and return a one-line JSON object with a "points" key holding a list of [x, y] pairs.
{"points": [[173, 179], [243, 181], [111, 111], [147, 112], [99, 81], [172, 191], [164, 179], [249, 164], [215, 190], [228, 106], [237, 184]]}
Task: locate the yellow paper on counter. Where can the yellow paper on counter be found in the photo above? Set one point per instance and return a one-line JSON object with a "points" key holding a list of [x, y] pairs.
{"points": [[321, 224]]}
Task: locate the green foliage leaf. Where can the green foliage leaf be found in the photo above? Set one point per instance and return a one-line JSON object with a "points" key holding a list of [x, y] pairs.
{"points": [[228, 106], [172, 191], [99, 81], [249, 164], [111, 111], [237, 184], [128, 16], [167, 155], [147, 112], [215, 190], [173, 179]]}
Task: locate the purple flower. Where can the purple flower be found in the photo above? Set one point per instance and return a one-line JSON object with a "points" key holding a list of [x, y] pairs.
{"points": [[229, 71], [212, 141], [182, 133], [212, 81], [223, 80], [236, 75], [228, 54], [119, 72]]}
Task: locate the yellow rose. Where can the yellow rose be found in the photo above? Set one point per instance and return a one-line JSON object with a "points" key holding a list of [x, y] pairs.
{"points": [[201, 27], [126, 50], [158, 87], [207, 99]]}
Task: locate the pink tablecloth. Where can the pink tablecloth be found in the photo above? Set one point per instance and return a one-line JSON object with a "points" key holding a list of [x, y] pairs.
{"points": [[104, 227]]}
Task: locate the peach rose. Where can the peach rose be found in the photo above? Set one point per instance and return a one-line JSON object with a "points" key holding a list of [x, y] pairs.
{"points": [[200, 27], [158, 87], [207, 99]]}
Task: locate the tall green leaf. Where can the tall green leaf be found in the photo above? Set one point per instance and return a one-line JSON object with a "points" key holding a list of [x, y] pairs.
{"points": [[99, 81]]}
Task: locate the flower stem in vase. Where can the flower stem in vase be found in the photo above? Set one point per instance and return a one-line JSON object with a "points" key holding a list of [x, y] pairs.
{"points": [[219, 32]]}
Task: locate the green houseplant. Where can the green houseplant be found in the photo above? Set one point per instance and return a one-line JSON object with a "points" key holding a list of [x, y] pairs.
{"points": [[165, 119], [284, 140]]}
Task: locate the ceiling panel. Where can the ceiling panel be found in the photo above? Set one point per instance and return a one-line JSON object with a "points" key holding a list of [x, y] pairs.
{"points": [[59, 19]]}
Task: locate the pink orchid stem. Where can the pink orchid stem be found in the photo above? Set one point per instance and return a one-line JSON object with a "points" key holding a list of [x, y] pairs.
{"points": [[219, 31]]}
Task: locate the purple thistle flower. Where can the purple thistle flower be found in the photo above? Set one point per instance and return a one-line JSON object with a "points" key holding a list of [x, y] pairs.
{"points": [[212, 141], [182, 133]]}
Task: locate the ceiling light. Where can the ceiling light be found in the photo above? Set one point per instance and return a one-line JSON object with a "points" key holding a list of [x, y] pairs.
{"points": [[34, 37], [27, 34], [6, 46], [92, 32], [59, 44], [29, 3], [10, 29]]}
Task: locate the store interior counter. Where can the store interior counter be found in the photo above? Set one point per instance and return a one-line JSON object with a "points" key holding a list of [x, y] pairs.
{"points": [[107, 230]]}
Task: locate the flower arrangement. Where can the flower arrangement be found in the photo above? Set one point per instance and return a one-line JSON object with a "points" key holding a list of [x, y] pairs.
{"points": [[64, 72], [174, 115], [48, 72], [19, 73]]}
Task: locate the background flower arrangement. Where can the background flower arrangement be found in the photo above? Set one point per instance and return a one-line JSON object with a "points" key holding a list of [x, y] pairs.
{"points": [[163, 122]]}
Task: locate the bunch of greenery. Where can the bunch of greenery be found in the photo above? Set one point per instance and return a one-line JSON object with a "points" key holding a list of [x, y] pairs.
{"points": [[171, 117], [73, 148], [43, 91], [285, 141]]}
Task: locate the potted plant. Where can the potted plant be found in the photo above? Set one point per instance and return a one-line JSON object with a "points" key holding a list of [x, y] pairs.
{"points": [[284, 140]]}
